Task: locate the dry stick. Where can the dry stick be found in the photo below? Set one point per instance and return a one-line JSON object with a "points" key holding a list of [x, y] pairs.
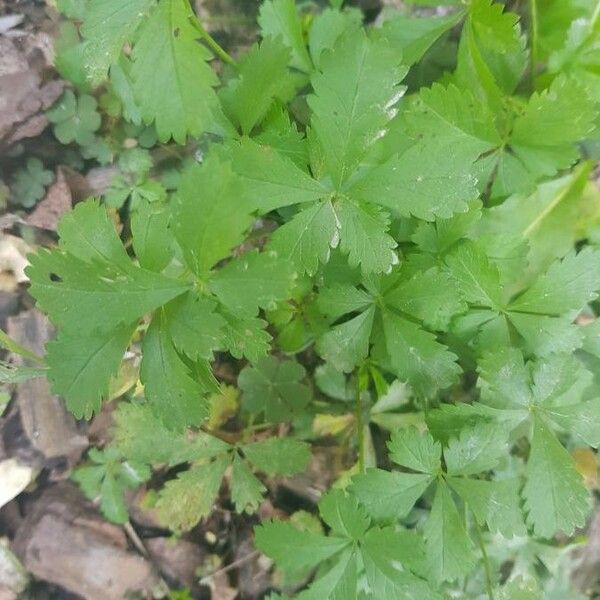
{"points": [[230, 566]]}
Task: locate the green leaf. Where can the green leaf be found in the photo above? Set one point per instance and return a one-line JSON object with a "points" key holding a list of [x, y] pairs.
{"points": [[567, 285], [386, 554], [429, 179], [492, 56], [414, 450], [151, 235], [82, 364], [272, 180], [275, 538], [96, 296], [274, 388], [550, 219], [263, 77], [416, 356], [449, 552], [555, 497], [13, 374], [75, 119], [354, 94], [306, 240], [171, 80], [252, 281], [177, 397], [452, 115], [339, 299], [186, 500], [494, 503], [542, 122], [88, 233], [339, 583], [107, 25], [389, 496], [194, 326], [246, 337], [142, 437], [477, 449], [246, 489], [278, 456], [413, 36], [477, 278], [504, 379], [108, 478], [347, 344], [364, 237], [342, 512], [29, 183], [209, 217], [327, 27], [278, 18], [432, 297]]}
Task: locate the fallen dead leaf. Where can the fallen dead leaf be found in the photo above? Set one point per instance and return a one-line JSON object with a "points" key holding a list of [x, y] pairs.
{"points": [[15, 477], [13, 251], [586, 463]]}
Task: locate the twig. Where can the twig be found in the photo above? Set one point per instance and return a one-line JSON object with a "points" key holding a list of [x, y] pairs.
{"points": [[230, 566]]}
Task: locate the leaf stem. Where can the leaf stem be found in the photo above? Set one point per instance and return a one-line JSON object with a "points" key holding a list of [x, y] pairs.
{"points": [[213, 44], [360, 425], [486, 561], [9, 344], [534, 34]]}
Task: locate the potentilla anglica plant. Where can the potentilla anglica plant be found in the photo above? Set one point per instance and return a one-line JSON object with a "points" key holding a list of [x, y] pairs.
{"points": [[390, 230]]}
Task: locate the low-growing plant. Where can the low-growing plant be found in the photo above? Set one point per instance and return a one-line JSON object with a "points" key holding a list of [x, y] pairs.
{"points": [[388, 231]]}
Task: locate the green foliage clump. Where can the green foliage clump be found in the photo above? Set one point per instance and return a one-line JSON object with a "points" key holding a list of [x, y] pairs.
{"points": [[400, 214]]}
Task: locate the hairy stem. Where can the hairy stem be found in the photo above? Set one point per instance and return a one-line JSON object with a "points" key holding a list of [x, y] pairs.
{"points": [[360, 426]]}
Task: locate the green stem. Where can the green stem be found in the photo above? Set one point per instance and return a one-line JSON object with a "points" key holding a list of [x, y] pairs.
{"points": [[534, 34], [486, 561], [595, 17], [360, 426], [9, 344], [214, 46]]}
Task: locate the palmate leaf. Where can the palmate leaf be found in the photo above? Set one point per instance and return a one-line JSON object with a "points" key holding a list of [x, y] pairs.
{"points": [[542, 314], [274, 388], [171, 80], [389, 496], [555, 496], [388, 555], [386, 319]]}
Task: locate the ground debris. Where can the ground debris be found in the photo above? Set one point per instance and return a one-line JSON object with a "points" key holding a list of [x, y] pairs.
{"points": [[45, 420], [64, 540]]}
